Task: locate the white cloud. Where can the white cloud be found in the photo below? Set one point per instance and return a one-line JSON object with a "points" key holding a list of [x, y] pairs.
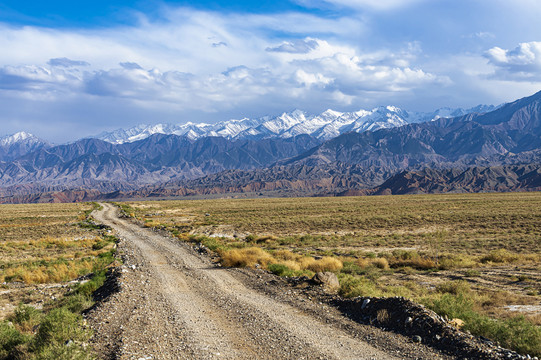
{"points": [[295, 47], [207, 61], [521, 63], [311, 79]]}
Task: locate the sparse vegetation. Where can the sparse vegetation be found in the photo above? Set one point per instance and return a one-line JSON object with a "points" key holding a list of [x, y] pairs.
{"points": [[385, 246], [47, 244], [457, 300]]}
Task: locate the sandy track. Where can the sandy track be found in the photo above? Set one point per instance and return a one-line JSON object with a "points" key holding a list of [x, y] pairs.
{"points": [[175, 304]]}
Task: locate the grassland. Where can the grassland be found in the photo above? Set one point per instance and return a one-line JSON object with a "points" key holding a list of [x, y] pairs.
{"points": [[464, 255], [45, 250]]}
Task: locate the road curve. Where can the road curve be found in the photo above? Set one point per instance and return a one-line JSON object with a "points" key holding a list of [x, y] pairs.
{"points": [[178, 305]]}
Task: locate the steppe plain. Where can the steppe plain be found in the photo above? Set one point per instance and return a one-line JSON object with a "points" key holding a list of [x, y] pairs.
{"points": [[474, 257]]}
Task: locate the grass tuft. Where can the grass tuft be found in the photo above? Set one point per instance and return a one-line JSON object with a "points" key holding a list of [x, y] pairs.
{"points": [[247, 257]]}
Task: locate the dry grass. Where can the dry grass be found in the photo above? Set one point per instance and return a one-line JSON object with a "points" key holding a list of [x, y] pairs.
{"points": [[257, 257], [326, 263], [381, 246], [247, 257], [48, 243], [456, 223]]}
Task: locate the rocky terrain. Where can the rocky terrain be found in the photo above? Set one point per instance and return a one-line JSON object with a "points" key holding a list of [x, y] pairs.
{"points": [[475, 179]]}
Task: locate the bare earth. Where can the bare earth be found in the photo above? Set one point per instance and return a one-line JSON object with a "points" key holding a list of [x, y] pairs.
{"points": [[176, 304]]}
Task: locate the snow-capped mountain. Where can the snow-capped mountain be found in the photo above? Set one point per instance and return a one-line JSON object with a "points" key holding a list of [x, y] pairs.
{"points": [[324, 126], [19, 144], [18, 138]]}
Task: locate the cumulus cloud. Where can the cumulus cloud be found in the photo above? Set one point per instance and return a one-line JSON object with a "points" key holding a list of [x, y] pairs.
{"points": [[337, 77], [522, 63], [195, 64], [295, 47], [354, 76], [39, 81], [65, 62]]}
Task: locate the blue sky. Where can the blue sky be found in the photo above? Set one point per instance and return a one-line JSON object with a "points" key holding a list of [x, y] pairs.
{"points": [[72, 69]]}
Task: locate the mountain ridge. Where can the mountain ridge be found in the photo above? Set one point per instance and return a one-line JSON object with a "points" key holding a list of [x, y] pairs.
{"points": [[323, 126], [173, 165]]}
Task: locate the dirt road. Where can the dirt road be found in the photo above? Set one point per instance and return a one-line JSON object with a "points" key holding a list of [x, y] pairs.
{"points": [[175, 304]]}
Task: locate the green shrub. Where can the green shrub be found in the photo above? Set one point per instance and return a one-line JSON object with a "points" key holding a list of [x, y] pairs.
{"points": [[77, 302], [453, 306], [212, 243], [63, 352], [472, 273], [281, 270], [516, 333], [58, 327], [9, 339], [454, 287], [26, 317], [99, 245], [352, 286], [93, 284]]}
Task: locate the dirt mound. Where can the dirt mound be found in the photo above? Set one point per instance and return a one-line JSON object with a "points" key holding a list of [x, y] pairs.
{"points": [[422, 325]]}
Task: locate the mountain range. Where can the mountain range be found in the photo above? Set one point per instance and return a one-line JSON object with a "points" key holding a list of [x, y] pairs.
{"points": [[324, 126], [385, 150]]}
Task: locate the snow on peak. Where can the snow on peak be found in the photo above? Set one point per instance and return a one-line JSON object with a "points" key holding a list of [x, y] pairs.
{"points": [[19, 137], [328, 124]]}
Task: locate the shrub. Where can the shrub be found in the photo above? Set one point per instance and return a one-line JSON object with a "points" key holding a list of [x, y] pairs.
{"points": [[9, 339], [454, 287], [381, 263], [293, 265], [326, 263], [352, 286], [285, 255], [471, 273], [77, 302], [26, 317], [93, 284], [516, 333], [352, 268], [59, 326], [247, 257], [362, 263], [280, 270], [403, 258], [212, 243]]}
